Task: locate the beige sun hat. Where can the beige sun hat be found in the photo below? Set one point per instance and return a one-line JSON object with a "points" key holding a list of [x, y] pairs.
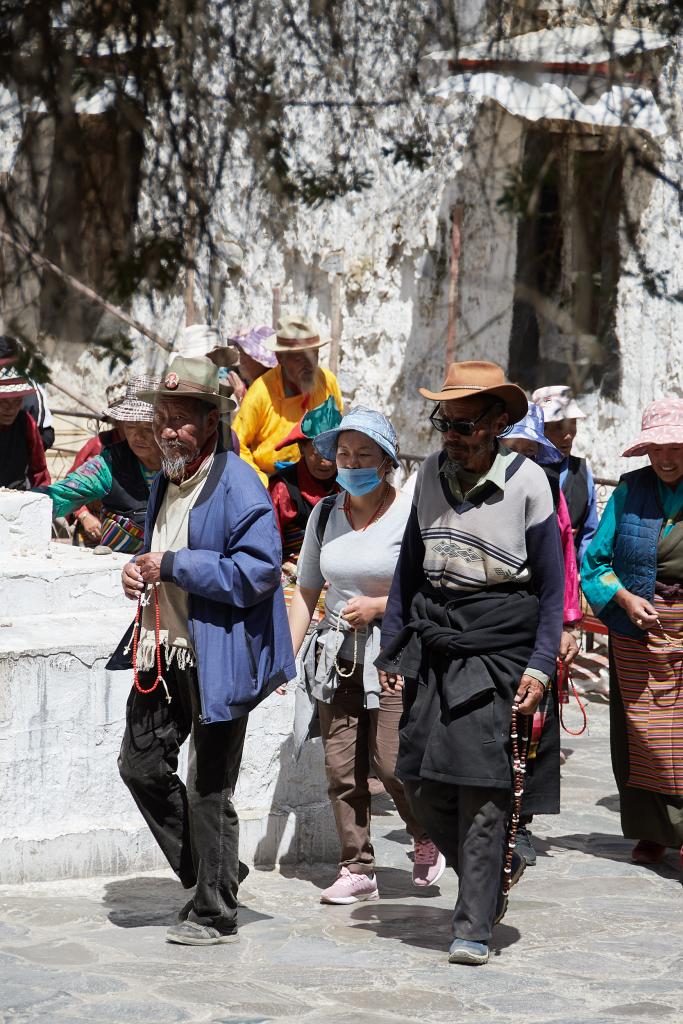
{"points": [[294, 334], [191, 378], [558, 403], [199, 340]]}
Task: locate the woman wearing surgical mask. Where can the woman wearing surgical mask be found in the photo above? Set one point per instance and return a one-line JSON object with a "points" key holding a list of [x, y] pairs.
{"points": [[352, 542]]}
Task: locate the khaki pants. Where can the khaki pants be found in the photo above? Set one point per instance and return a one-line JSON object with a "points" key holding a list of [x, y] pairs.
{"points": [[356, 740]]}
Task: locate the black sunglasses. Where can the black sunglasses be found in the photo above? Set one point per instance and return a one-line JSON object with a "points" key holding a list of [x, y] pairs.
{"points": [[463, 427]]}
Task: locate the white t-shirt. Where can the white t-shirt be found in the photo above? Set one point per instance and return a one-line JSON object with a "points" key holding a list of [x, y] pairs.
{"points": [[354, 562]]}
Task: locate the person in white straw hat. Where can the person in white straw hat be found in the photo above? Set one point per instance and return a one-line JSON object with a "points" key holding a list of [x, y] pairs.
{"points": [[275, 403], [561, 412], [119, 477], [22, 456]]}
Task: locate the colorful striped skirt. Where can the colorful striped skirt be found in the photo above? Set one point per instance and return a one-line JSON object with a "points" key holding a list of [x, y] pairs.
{"points": [[650, 677]]}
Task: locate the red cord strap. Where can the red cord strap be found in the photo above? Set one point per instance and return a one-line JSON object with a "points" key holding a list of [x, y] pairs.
{"points": [[564, 682], [157, 643]]}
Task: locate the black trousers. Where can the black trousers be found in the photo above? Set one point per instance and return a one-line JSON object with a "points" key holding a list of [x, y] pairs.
{"points": [[468, 824], [196, 826]]}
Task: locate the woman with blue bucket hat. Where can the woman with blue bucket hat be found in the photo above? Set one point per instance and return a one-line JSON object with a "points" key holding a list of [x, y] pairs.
{"points": [[542, 788], [352, 542]]}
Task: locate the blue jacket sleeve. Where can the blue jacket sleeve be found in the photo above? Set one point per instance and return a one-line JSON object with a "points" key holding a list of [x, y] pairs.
{"points": [[245, 574], [408, 578], [591, 522], [546, 562]]}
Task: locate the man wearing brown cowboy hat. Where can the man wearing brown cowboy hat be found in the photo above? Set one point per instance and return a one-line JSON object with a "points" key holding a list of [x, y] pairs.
{"points": [[473, 624], [275, 402], [211, 643]]}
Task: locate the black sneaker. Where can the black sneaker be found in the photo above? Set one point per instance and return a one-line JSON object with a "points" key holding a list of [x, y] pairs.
{"points": [[524, 847]]}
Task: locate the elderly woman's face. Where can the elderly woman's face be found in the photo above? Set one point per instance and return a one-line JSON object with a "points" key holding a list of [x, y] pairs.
{"points": [[358, 451], [667, 462], [521, 445]]}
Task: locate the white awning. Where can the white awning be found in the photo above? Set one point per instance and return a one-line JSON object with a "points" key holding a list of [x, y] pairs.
{"points": [[618, 107], [559, 75]]}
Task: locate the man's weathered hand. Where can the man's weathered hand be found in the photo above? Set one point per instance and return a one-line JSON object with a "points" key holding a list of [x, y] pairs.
{"points": [[132, 581], [569, 647], [91, 526], [390, 682], [529, 695], [150, 566]]}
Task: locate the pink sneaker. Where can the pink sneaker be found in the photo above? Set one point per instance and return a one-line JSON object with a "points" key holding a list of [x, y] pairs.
{"points": [[351, 887], [428, 863]]}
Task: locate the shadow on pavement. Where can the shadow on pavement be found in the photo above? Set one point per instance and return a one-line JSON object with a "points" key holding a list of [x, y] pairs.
{"points": [[422, 927], [604, 846], [611, 802], [143, 902]]}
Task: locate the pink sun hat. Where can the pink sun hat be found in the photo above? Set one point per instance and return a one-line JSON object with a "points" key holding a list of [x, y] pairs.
{"points": [[662, 424]]}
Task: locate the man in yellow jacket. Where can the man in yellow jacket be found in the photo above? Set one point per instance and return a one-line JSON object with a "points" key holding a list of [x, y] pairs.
{"points": [[275, 403]]}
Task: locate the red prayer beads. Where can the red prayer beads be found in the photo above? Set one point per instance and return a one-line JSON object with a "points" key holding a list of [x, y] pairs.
{"points": [[157, 643]]}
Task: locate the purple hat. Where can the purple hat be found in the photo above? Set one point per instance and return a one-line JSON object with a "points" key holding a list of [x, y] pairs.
{"points": [[249, 339], [662, 424]]}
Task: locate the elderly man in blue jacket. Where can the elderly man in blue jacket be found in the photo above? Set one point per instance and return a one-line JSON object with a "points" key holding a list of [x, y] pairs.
{"points": [[211, 641]]}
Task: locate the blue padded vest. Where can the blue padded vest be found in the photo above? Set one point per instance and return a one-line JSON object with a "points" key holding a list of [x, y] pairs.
{"points": [[635, 547]]}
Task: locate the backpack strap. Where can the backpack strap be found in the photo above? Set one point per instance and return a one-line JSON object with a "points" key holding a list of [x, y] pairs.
{"points": [[326, 506]]}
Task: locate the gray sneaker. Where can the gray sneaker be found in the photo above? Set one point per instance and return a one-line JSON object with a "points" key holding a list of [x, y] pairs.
{"points": [[463, 951], [187, 933]]}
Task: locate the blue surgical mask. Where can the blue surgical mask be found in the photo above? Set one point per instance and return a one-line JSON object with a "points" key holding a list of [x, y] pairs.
{"points": [[359, 481]]}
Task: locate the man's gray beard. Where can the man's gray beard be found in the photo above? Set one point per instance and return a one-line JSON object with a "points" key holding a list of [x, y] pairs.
{"points": [[173, 462], [452, 467], [307, 384]]}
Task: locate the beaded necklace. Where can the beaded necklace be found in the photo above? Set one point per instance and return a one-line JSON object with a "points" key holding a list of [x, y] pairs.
{"points": [[379, 511]]}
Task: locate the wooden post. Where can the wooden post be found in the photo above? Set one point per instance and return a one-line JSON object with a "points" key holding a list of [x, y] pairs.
{"points": [[277, 304], [335, 321], [453, 284], [190, 316]]}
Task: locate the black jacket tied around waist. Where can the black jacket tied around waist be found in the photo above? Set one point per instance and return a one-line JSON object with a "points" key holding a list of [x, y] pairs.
{"points": [[462, 658]]}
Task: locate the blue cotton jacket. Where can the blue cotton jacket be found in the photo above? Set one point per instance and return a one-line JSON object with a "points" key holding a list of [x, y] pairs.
{"points": [[231, 572], [623, 552]]}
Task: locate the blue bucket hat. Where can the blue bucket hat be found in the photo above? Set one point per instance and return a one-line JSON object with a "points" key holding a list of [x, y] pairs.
{"points": [[531, 429], [366, 421]]}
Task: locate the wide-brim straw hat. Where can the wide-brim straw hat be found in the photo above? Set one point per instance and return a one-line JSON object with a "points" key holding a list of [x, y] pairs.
{"points": [[558, 403], [294, 334], [478, 378], [130, 408], [199, 340], [662, 423], [530, 428], [191, 378], [373, 424], [13, 384]]}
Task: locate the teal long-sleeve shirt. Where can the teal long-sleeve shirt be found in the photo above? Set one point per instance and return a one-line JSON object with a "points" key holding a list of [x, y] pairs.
{"points": [[90, 482], [599, 581]]}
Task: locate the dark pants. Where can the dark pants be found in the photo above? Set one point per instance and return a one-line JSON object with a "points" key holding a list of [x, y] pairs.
{"points": [[468, 824], [357, 740], [196, 827]]}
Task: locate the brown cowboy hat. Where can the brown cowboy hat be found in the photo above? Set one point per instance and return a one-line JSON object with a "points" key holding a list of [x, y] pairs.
{"points": [[464, 380], [294, 334]]}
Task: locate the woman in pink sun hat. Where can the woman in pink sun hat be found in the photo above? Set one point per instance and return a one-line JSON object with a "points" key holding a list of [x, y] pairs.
{"points": [[632, 576]]}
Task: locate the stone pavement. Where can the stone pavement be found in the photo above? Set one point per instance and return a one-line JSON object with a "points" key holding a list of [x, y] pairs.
{"points": [[589, 937]]}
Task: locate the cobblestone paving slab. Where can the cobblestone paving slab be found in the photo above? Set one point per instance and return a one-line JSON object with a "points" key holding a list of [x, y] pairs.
{"points": [[590, 938]]}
